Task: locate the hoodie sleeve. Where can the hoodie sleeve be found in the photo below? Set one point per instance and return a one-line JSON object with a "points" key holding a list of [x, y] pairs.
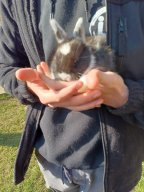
{"points": [[12, 56], [133, 110]]}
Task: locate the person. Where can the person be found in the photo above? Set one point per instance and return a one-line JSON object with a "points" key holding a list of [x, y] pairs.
{"points": [[91, 141]]}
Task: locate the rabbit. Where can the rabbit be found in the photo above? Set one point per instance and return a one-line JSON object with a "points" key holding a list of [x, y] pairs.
{"points": [[76, 56]]}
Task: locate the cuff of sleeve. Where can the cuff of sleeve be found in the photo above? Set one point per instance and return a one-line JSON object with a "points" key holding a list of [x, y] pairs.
{"points": [[23, 95], [135, 101]]}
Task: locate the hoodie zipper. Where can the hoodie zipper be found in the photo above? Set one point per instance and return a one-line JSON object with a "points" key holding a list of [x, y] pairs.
{"points": [[101, 113], [86, 9], [122, 36], [105, 146], [122, 33]]}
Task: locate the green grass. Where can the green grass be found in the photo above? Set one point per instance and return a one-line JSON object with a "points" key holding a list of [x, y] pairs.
{"points": [[11, 125]]}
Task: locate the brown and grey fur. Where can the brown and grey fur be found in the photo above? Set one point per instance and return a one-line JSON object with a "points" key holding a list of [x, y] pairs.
{"points": [[75, 56]]}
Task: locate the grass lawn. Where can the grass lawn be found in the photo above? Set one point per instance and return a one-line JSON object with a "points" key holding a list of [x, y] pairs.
{"points": [[11, 125]]}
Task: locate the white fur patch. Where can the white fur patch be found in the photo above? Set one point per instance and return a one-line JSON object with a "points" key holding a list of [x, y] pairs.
{"points": [[65, 49], [64, 76]]}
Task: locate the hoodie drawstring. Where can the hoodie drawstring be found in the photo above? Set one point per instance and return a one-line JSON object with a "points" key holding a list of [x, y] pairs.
{"points": [[53, 8], [66, 173], [86, 9]]}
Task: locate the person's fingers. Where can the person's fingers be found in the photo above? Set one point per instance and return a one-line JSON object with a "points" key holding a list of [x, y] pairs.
{"points": [[109, 78], [53, 96], [50, 83], [39, 69], [54, 84], [91, 79], [81, 99], [27, 74], [45, 68], [44, 73], [93, 104], [68, 91], [98, 79]]}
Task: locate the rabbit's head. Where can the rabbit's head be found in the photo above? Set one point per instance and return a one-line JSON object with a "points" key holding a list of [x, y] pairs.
{"points": [[75, 56]]}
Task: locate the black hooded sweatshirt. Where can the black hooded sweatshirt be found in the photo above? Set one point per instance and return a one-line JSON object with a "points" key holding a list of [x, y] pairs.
{"points": [[121, 129], [68, 138]]}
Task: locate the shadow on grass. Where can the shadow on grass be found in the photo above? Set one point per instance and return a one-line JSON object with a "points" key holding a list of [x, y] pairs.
{"points": [[9, 139]]}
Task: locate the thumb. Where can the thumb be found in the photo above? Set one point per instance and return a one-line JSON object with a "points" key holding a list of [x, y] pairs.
{"points": [[27, 74], [92, 79], [96, 78], [109, 78]]}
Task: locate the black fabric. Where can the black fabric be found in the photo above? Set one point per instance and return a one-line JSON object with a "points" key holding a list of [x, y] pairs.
{"points": [[27, 140], [60, 141], [71, 138], [122, 140], [54, 190], [121, 2], [132, 95]]}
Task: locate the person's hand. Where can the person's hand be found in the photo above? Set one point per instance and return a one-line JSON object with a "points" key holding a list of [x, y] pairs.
{"points": [[113, 90], [58, 93], [49, 91]]}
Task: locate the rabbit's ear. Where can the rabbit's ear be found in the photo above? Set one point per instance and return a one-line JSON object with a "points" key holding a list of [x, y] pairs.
{"points": [[79, 31], [60, 34]]}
